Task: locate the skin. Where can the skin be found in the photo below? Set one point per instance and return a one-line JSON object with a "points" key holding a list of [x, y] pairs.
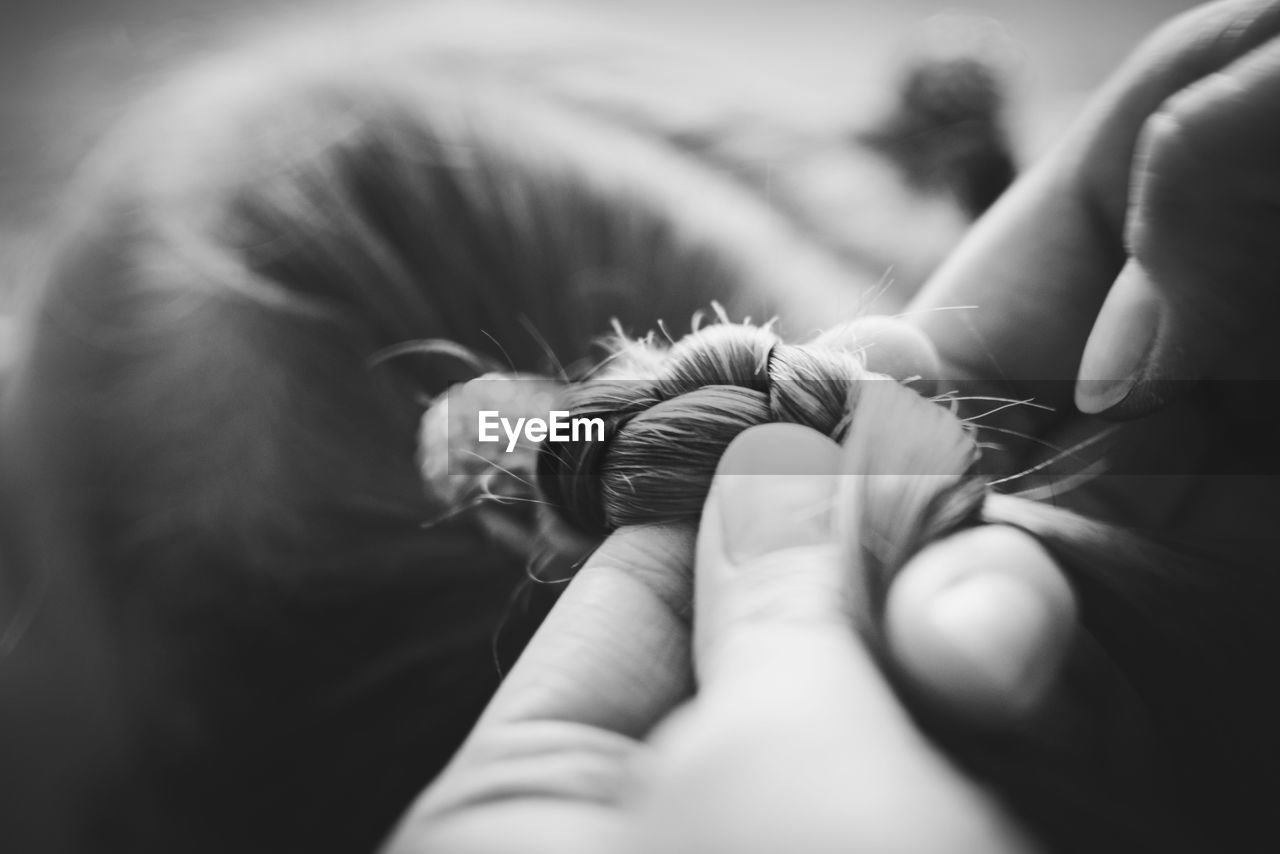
{"points": [[1139, 257], [749, 718], [594, 744], [644, 714]]}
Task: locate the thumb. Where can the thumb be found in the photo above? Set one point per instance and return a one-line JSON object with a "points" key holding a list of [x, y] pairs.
{"points": [[1202, 231], [767, 556], [796, 741], [981, 624]]}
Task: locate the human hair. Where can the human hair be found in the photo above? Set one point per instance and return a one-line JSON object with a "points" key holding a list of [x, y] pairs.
{"points": [[211, 439], [214, 419]]}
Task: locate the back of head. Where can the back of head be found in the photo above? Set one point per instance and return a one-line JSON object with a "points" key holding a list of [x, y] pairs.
{"points": [[213, 453]]}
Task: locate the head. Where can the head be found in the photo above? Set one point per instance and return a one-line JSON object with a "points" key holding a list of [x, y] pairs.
{"points": [[213, 450], [215, 428]]}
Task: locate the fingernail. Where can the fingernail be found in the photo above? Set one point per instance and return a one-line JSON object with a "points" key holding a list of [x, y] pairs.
{"points": [[1004, 630], [1121, 341], [774, 490]]}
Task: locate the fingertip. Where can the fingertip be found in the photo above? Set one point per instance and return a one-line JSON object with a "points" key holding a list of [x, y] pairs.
{"points": [[1117, 355], [767, 560], [772, 490], [981, 624], [892, 347], [1136, 359], [779, 449]]}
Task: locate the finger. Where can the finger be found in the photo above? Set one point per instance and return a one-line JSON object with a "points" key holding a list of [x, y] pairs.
{"points": [[613, 652], [609, 661], [889, 346], [560, 736], [775, 641], [795, 741], [767, 559], [981, 623], [1204, 272], [1038, 266]]}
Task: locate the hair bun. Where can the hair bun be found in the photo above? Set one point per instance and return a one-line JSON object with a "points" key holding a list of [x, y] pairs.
{"points": [[664, 433]]}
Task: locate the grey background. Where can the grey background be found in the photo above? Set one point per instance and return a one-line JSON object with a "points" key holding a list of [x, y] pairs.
{"points": [[68, 67]]}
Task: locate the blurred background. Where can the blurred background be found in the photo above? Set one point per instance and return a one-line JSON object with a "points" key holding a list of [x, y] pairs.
{"points": [[69, 67]]}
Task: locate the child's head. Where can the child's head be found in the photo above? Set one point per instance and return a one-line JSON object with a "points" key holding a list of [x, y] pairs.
{"points": [[215, 428], [204, 423]]}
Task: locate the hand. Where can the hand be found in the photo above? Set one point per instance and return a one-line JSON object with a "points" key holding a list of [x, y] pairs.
{"points": [[1138, 257], [793, 741], [1170, 189]]}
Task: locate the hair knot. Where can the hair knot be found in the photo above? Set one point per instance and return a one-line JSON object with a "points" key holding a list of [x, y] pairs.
{"points": [[664, 433]]}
